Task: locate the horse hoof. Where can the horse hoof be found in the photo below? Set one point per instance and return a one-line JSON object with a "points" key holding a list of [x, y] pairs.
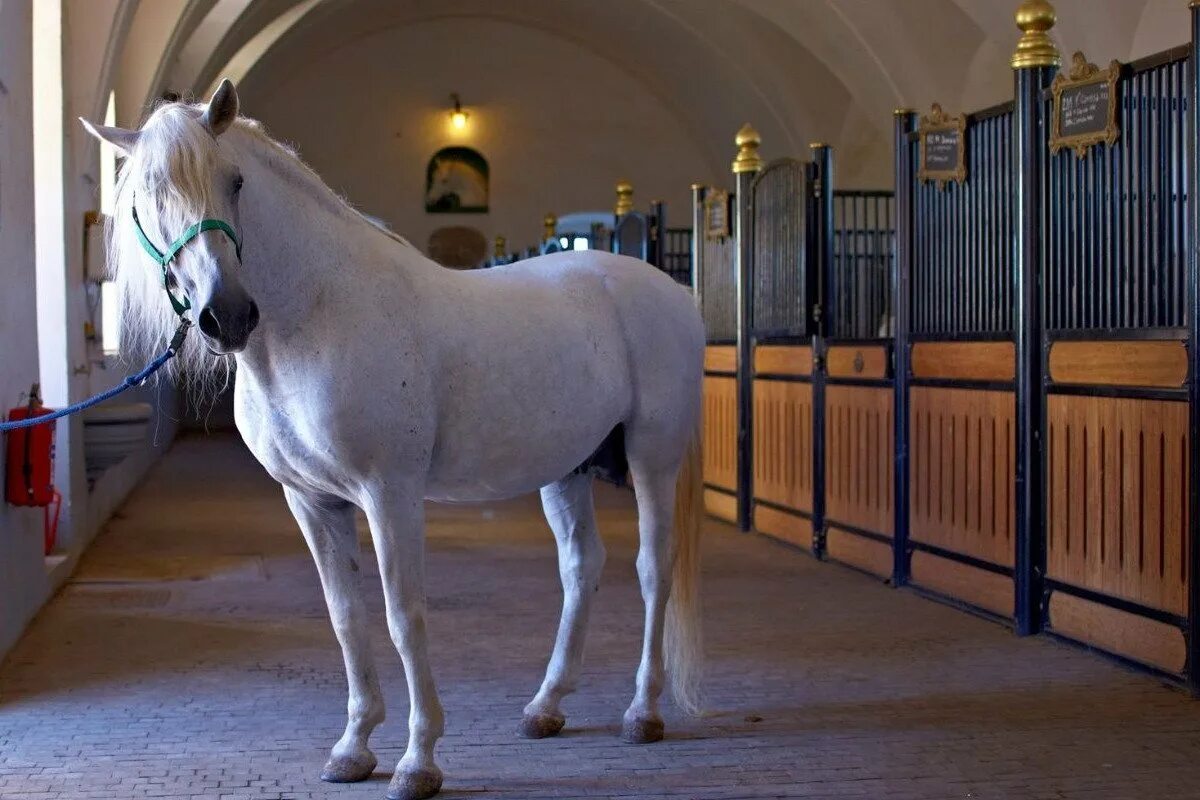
{"points": [[349, 769], [417, 784], [540, 726], [642, 730]]}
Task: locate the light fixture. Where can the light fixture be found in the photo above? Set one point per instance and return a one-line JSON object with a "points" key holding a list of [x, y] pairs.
{"points": [[458, 117]]}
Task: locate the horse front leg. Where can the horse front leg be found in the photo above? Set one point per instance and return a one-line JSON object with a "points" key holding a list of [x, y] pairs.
{"points": [[328, 526], [572, 516], [398, 526]]}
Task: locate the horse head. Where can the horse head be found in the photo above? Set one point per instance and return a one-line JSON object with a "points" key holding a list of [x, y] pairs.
{"points": [[176, 224]]}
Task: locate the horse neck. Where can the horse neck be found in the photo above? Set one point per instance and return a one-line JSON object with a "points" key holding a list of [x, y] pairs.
{"points": [[306, 248]]}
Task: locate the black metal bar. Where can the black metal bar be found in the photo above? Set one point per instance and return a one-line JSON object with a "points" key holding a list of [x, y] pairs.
{"points": [[821, 238], [959, 383], [1117, 391], [697, 259], [905, 183], [1116, 334], [1029, 149], [984, 114], [786, 509], [872, 382], [782, 378], [1193, 319], [743, 269], [961, 558], [1112, 601]]}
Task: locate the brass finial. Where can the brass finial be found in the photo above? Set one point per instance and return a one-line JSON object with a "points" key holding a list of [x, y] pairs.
{"points": [[747, 159], [1035, 18], [815, 145], [501, 246], [624, 198], [902, 112], [549, 226]]}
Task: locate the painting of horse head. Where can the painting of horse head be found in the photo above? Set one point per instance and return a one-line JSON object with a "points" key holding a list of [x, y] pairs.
{"points": [[456, 181]]}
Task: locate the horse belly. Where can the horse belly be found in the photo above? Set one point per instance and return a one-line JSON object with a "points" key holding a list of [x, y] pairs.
{"points": [[519, 435]]}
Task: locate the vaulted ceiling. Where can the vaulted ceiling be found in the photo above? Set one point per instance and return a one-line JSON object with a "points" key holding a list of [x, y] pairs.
{"points": [[799, 70]]}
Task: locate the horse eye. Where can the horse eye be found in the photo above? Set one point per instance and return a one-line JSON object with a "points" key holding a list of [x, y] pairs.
{"points": [[237, 184]]}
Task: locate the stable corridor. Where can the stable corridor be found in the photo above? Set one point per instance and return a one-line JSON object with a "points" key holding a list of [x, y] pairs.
{"points": [[191, 657]]}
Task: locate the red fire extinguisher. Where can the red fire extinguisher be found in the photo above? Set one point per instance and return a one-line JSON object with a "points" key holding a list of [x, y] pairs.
{"points": [[30, 460]]}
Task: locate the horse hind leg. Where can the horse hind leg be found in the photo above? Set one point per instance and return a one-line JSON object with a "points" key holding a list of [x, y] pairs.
{"points": [[668, 496], [569, 509]]}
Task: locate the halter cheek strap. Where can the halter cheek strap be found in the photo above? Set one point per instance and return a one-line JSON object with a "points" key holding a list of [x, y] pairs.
{"points": [[164, 259]]}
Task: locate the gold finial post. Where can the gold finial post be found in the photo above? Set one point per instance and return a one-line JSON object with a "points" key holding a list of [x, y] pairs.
{"points": [[1035, 18], [624, 198], [747, 159], [501, 246], [549, 226]]}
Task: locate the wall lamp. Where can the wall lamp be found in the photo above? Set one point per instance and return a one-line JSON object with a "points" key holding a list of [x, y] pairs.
{"points": [[458, 117]]}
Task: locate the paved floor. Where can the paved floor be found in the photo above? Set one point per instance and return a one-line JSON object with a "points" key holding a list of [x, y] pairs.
{"points": [[191, 657]]}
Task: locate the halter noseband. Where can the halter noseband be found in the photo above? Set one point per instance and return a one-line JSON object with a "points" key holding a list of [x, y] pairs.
{"points": [[164, 259]]}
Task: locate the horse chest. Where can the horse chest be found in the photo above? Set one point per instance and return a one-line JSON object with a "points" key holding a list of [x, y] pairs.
{"points": [[289, 445]]}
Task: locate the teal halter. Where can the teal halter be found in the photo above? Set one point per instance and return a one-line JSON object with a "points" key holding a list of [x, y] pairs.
{"points": [[164, 259]]}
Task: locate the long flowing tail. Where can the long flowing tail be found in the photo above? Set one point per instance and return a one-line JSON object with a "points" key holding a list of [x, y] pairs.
{"points": [[684, 644]]}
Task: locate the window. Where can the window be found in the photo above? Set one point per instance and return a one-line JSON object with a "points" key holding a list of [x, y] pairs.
{"points": [[110, 327]]}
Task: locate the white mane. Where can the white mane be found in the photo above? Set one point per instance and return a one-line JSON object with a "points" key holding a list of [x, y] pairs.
{"points": [[172, 162]]}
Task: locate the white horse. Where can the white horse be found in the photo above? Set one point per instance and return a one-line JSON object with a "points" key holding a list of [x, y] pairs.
{"points": [[455, 185], [378, 379]]}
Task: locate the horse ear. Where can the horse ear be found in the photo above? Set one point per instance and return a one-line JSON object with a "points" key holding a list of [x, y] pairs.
{"points": [[222, 108], [120, 138]]}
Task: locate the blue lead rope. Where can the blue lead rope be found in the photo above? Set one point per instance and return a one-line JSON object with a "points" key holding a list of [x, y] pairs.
{"points": [[130, 382], [163, 259]]}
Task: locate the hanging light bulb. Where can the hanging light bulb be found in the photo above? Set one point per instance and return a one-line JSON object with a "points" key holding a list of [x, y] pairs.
{"points": [[458, 117]]}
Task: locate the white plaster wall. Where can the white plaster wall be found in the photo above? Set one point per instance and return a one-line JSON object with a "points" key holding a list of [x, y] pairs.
{"points": [[52, 349], [23, 580], [141, 54], [558, 125]]}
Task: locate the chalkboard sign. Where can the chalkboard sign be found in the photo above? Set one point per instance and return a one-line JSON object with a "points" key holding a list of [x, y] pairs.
{"points": [[716, 214], [1085, 106], [943, 147]]}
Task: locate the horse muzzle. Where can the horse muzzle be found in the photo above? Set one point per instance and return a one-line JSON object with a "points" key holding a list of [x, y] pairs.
{"points": [[227, 321]]}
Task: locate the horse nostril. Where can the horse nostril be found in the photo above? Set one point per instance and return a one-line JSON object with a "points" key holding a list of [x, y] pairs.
{"points": [[252, 319], [207, 321]]}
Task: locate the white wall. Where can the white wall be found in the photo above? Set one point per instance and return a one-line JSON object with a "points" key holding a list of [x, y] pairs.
{"points": [[43, 303], [23, 581], [558, 125]]}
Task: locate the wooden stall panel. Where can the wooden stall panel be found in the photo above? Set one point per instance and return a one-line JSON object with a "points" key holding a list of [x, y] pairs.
{"points": [[979, 587], [720, 432], [720, 358], [962, 471], [1129, 635], [791, 528], [869, 555], [783, 443], [1116, 504], [1119, 363], [782, 359], [720, 505], [846, 361], [858, 456], [967, 361]]}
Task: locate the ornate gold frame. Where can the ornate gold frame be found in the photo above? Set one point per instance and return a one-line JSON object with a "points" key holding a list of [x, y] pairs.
{"points": [[938, 120], [1083, 73], [711, 198]]}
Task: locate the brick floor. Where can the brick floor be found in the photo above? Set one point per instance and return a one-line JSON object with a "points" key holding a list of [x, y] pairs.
{"points": [[191, 657]]}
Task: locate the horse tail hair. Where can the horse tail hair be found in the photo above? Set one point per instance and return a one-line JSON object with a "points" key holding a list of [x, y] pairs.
{"points": [[684, 644]]}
